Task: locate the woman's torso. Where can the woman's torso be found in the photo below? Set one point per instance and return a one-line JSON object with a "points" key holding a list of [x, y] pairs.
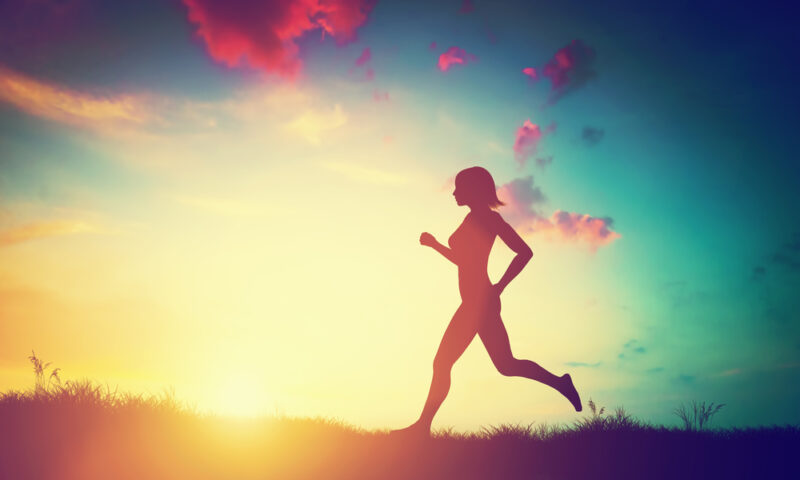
{"points": [[471, 243]]}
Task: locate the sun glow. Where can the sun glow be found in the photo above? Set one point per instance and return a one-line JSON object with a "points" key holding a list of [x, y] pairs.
{"points": [[240, 395]]}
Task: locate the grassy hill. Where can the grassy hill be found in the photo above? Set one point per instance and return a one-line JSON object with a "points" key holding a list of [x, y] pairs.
{"points": [[83, 431]]}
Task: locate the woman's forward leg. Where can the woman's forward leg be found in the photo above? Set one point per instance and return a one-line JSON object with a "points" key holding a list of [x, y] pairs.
{"points": [[456, 339]]}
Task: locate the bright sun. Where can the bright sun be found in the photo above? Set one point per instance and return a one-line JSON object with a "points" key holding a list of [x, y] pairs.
{"points": [[240, 395]]}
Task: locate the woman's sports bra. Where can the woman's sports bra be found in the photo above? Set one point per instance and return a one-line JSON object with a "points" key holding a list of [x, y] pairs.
{"points": [[470, 238]]}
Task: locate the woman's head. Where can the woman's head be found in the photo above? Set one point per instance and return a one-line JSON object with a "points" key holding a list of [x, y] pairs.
{"points": [[475, 187]]}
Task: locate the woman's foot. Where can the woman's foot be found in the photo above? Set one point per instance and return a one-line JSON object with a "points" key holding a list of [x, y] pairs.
{"points": [[415, 430], [568, 390]]}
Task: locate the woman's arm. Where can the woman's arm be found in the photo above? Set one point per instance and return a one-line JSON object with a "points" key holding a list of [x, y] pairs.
{"points": [[517, 245], [429, 241]]}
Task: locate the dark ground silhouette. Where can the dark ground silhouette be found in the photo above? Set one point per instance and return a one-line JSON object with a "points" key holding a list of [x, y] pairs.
{"points": [[82, 432]]}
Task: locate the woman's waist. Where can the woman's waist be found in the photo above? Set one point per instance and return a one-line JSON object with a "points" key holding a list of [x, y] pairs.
{"points": [[474, 284]]}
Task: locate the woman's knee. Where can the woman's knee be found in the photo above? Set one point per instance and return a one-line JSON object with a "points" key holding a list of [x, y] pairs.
{"points": [[509, 367], [442, 364]]}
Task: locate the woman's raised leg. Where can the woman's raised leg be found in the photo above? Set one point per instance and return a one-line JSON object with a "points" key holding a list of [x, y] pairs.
{"points": [[495, 338]]}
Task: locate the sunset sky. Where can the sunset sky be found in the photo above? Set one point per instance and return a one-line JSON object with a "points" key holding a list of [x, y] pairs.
{"points": [[225, 198]]}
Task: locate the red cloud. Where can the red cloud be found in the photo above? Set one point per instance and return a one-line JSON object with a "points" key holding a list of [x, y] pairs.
{"points": [[570, 68], [454, 56], [522, 200], [262, 34], [527, 139], [432, 46], [531, 72]]}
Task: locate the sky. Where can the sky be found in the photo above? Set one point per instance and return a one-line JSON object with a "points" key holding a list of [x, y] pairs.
{"points": [[225, 199]]}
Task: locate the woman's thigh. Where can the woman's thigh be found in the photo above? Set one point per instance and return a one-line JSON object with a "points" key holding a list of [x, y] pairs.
{"points": [[495, 338], [457, 337]]}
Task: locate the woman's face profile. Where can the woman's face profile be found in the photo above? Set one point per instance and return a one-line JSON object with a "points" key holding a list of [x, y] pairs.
{"points": [[458, 193]]}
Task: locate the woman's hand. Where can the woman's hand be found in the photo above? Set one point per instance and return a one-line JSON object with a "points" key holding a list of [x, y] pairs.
{"points": [[427, 239]]}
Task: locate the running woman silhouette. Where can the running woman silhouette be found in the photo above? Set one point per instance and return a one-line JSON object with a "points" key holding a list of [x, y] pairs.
{"points": [[479, 312]]}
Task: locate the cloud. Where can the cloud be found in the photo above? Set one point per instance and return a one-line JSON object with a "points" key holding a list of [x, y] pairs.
{"points": [[655, 370], [61, 104], [685, 379], [432, 46], [366, 56], [579, 228], [591, 136], [455, 56], [312, 124], [531, 73], [363, 174], [526, 140], [583, 364], [631, 348], [262, 34], [112, 114], [569, 69], [45, 229], [466, 7], [522, 202], [363, 63]]}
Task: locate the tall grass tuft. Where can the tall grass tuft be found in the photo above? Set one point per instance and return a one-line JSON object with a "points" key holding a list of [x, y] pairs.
{"points": [[599, 421], [698, 416]]}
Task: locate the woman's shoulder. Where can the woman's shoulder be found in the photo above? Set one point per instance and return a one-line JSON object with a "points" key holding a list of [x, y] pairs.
{"points": [[490, 218]]}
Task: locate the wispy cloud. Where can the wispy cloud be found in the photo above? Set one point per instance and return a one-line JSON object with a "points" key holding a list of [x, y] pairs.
{"points": [[632, 348], [591, 136], [364, 174], [64, 105], [583, 364], [44, 229]]}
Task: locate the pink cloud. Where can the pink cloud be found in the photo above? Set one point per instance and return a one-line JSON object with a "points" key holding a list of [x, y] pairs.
{"points": [[579, 228], [522, 210], [527, 139], [570, 68], [455, 56], [432, 46], [531, 72], [365, 57], [522, 200], [263, 34], [363, 63]]}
